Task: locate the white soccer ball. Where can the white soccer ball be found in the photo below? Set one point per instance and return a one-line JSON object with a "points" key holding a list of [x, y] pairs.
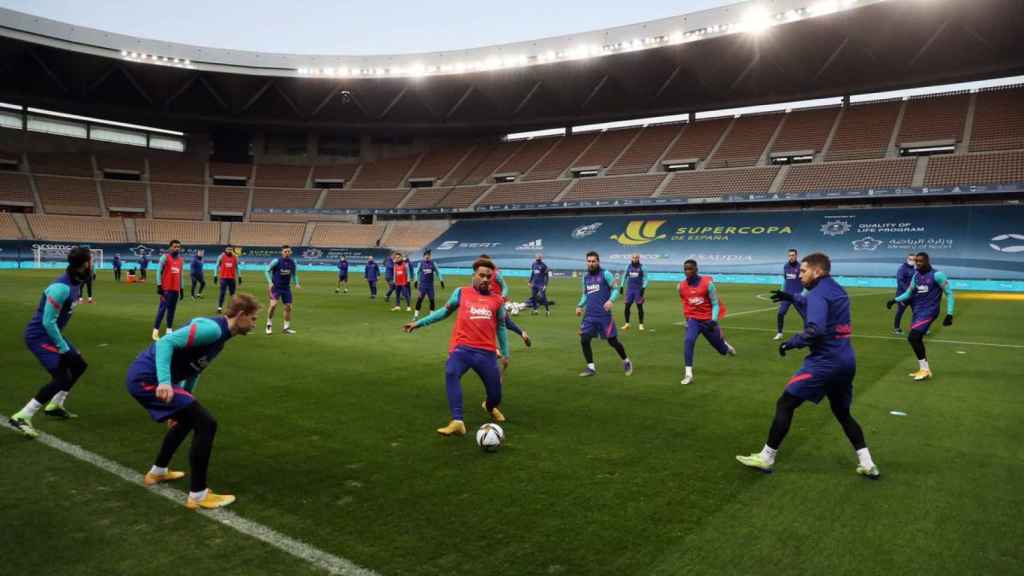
{"points": [[490, 437], [513, 308]]}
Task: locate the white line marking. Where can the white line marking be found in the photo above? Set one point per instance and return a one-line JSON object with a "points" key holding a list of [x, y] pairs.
{"points": [[929, 340], [325, 561]]}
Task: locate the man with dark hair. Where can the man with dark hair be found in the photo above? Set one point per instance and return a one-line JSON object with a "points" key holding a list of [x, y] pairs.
{"points": [[499, 286], [403, 282], [162, 379], [540, 275], [372, 273], [280, 275], [424, 282], [168, 286], [88, 286], [903, 277], [117, 267], [703, 309], [827, 371], [228, 275], [143, 266], [477, 339], [595, 305], [389, 275], [635, 279], [791, 285], [196, 274], [924, 294], [342, 274], [44, 339]]}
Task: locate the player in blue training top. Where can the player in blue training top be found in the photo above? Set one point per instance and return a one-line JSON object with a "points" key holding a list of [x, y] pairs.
{"points": [[540, 275], [143, 266], [196, 274], [635, 279], [595, 305], [424, 281], [827, 371], [162, 379], [280, 275], [372, 273], [342, 275], [903, 277], [117, 267], [925, 298], [44, 339], [389, 275], [790, 285]]}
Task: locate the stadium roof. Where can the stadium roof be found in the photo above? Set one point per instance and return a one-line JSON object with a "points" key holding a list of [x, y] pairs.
{"points": [[740, 55]]}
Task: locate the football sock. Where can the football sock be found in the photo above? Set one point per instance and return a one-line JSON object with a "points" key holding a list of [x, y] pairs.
{"points": [[923, 364], [158, 470], [865, 458], [591, 366], [58, 399], [197, 496], [768, 454], [689, 371], [29, 410], [287, 325]]}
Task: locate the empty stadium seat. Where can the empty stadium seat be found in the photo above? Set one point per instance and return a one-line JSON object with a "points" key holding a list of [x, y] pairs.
{"points": [[385, 173], [177, 168], [850, 175], [999, 120], [609, 145], [985, 168], [8, 228], [425, 197], [124, 161], [438, 163], [335, 235], [641, 155], [745, 142], [641, 186], [76, 228], [524, 192], [284, 198], [118, 194], [480, 163], [520, 161], [282, 176], [343, 172], [864, 131], [14, 188], [177, 201], [413, 235], [231, 170], [266, 234], [163, 231], [561, 157], [934, 117], [228, 199], [700, 183], [805, 130], [698, 139], [63, 164], [462, 196], [61, 195], [364, 198]]}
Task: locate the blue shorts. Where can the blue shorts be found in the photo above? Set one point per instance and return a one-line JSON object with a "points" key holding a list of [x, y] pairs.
{"points": [[922, 323], [282, 294], [343, 277], [144, 393], [634, 295], [427, 290], [47, 354], [818, 378], [603, 328]]}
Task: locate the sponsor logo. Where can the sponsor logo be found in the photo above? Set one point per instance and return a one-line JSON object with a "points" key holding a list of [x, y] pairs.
{"points": [[312, 253], [695, 300], [447, 245], [867, 244], [593, 288], [717, 233], [480, 313], [537, 244], [640, 232], [1010, 243], [835, 228], [584, 231], [452, 244]]}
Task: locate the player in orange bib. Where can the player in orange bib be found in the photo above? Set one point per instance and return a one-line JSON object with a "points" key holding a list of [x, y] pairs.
{"points": [[702, 309], [168, 286]]}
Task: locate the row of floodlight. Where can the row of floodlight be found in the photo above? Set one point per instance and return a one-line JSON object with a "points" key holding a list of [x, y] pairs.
{"points": [[154, 59]]}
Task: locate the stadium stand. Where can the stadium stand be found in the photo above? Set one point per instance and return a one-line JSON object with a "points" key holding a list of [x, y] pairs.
{"points": [[609, 145], [745, 143], [697, 140], [562, 156], [266, 234], [850, 175], [462, 196], [231, 170], [999, 120], [14, 187], [76, 228], [331, 235], [640, 186], [425, 197], [176, 168], [385, 173], [645, 150], [163, 231], [527, 155], [934, 117], [699, 183], [438, 163], [177, 201], [8, 228], [230, 199], [335, 172], [284, 198], [62, 164], [282, 176], [805, 130], [985, 168], [480, 163], [364, 198], [413, 236], [121, 194], [124, 161], [524, 192], [61, 195], [865, 131]]}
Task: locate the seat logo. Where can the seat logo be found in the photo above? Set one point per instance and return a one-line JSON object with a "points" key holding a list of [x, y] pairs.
{"points": [[639, 232]]}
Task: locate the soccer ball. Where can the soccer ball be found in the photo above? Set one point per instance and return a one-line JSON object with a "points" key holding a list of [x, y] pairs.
{"points": [[490, 437], [514, 308]]}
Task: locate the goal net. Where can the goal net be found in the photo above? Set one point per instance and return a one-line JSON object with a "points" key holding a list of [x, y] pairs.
{"points": [[56, 256]]}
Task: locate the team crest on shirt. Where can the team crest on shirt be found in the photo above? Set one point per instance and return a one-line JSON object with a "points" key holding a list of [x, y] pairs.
{"points": [[695, 300], [593, 288], [480, 313], [922, 288]]}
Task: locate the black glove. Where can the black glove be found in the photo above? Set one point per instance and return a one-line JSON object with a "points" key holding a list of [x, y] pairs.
{"points": [[890, 303], [215, 280], [159, 289], [948, 321], [442, 284], [239, 280], [779, 296], [783, 347]]}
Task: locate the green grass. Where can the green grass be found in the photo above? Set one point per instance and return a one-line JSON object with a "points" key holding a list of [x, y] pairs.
{"points": [[328, 437]]}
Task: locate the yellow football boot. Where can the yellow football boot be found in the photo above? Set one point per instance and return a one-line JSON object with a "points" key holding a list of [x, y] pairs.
{"points": [[151, 479], [496, 414], [454, 428], [210, 501]]}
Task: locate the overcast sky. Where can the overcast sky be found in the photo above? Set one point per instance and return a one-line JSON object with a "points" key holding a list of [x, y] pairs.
{"points": [[353, 27]]}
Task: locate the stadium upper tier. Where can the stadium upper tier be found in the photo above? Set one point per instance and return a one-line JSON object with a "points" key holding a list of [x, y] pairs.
{"points": [[837, 148]]}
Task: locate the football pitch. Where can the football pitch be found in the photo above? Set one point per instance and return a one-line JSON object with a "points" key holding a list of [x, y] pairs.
{"points": [[327, 437]]}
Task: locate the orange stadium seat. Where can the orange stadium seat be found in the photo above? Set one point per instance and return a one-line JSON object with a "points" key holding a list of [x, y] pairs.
{"points": [[527, 155], [865, 131], [700, 183], [641, 155], [641, 186], [805, 130], [343, 172], [163, 231], [365, 198], [438, 163], [333, 235], [63, 164], [177, 201], [480, 163], [607, 148], [385, 173], [935, 117], [999, 120], [425, 197], [282, 176], [265, 234], [8, 228], [850, 175], [123, 161], [698, 139], [61, 195], [76, 228], [122, 194], [231, 170], [14, 187], [985, 168], [413, 236], [230, 199], [168, 167], [284, 198], [524, 192], [745, 143], [462, 196], [562, 157]]}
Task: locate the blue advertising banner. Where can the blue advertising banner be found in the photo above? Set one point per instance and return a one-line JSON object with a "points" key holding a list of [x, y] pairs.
{"points": [[968, 242]]}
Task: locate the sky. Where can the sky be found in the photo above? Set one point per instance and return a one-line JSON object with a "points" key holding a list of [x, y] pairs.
{"points": [[353, 27]]}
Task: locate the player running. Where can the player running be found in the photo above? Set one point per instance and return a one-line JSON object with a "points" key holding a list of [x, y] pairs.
{"points": [[402, 281], [425, 274], [636, 285], [162, 379], [228, 275], [372, 273], [197, 276], [790, 285], [479, 335], [827, 371], [540, 275], [599, 295], [903, 277], [168, 286], [924, 295], [280, 275], [44, 339], [703, 310], [342, 275]]}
